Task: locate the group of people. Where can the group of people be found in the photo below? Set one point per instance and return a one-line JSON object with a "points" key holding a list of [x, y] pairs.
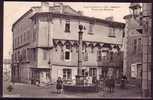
{"points": [[105, 84], [108, 84]]}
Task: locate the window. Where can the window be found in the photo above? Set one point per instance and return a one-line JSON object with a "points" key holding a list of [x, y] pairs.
{"points": [[134, 70], [111, 56], [139, 44], [111, 32], [86, 56], [34, 54], [83, 72], [44, 54], [103, 53], [99, 55], [135, 46], [21, 39], [92, 72], [67, 73], [90, 28], [67, 25], [67, 55], [139, 71]]}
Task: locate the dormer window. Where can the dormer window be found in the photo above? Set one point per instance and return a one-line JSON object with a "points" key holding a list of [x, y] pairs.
{"points": [[91, 24], [67, 25], [111, 32]]}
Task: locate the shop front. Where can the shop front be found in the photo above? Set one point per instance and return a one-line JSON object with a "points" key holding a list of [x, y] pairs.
{"points": [[40, 76]]}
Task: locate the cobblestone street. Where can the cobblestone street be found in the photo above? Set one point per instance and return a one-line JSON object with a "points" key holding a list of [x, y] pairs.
{"points": [[31, 91]]}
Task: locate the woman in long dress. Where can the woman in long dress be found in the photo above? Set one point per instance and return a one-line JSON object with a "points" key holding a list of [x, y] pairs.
{"points": [[59, 85]]}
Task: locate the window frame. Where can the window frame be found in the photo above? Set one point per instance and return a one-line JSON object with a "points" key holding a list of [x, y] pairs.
{"points": [[92, 72], [111, 32], [67, 50], [91, 25], [99, 55], [134, 45], [67, 26], [65, 73]]}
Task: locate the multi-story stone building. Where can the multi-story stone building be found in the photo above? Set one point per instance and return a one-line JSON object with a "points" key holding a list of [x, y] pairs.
{"points": [[137, 43], [133, 49], [45, 45]]}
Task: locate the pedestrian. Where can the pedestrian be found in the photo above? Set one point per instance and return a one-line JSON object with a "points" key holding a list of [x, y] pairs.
{"points": [[112, 84], [123, 79], [59, 85], [107, 84], [97, 85]]}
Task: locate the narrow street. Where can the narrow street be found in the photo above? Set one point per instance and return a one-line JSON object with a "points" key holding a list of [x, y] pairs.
{"points": [[31, 91]]}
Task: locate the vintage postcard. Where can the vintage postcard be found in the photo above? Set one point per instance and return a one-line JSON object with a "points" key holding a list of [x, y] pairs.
{"points": [[77, 50]]}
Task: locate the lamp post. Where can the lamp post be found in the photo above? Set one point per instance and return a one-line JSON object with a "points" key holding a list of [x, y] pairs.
{"points": [[78, 76]]}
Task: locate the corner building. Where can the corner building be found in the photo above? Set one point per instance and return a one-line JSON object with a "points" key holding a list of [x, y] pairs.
{"points": [[45, 45]]}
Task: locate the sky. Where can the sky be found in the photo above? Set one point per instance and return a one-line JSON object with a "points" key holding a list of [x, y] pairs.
{"points": [[14, 10]]}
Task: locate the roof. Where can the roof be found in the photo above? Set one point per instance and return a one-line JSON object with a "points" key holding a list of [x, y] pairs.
{"points": [[134, 5], [127, 16], [38, 7], [111, 23], [66, 14]]}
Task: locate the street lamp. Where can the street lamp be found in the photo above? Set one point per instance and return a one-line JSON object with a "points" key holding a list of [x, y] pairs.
{"points": [[135, 8], [78, 76]]}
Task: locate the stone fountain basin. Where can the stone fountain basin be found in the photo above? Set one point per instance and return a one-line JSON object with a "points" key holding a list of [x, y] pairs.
{"points": [[79, 88]]}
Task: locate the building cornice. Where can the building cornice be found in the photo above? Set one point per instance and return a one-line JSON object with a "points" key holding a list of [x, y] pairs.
{"points": [[91, 19], [95, 42]]}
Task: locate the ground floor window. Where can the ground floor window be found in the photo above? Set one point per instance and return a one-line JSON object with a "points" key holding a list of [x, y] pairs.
{"points": [[40, 76], [133, 70], [93, 72], [67, 73], [83, 72], [104, 72]]}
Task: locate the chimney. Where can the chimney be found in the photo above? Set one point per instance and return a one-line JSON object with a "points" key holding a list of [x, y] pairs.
{"points": [[111, 18], [45, 6], [59, 4], [80, 13]]}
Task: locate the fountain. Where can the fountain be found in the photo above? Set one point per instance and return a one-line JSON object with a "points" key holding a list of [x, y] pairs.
{"points": [[80, 83]]}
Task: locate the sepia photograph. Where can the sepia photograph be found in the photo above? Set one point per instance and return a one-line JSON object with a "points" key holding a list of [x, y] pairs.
{"points": [[77, 49]]}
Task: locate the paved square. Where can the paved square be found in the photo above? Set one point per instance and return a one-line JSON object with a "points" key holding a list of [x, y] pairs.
{"points": [[27, 90]]}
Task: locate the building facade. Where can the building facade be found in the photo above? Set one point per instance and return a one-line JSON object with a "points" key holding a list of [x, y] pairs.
{"points": [[137, 43], [45, 45], [133, 50]]}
